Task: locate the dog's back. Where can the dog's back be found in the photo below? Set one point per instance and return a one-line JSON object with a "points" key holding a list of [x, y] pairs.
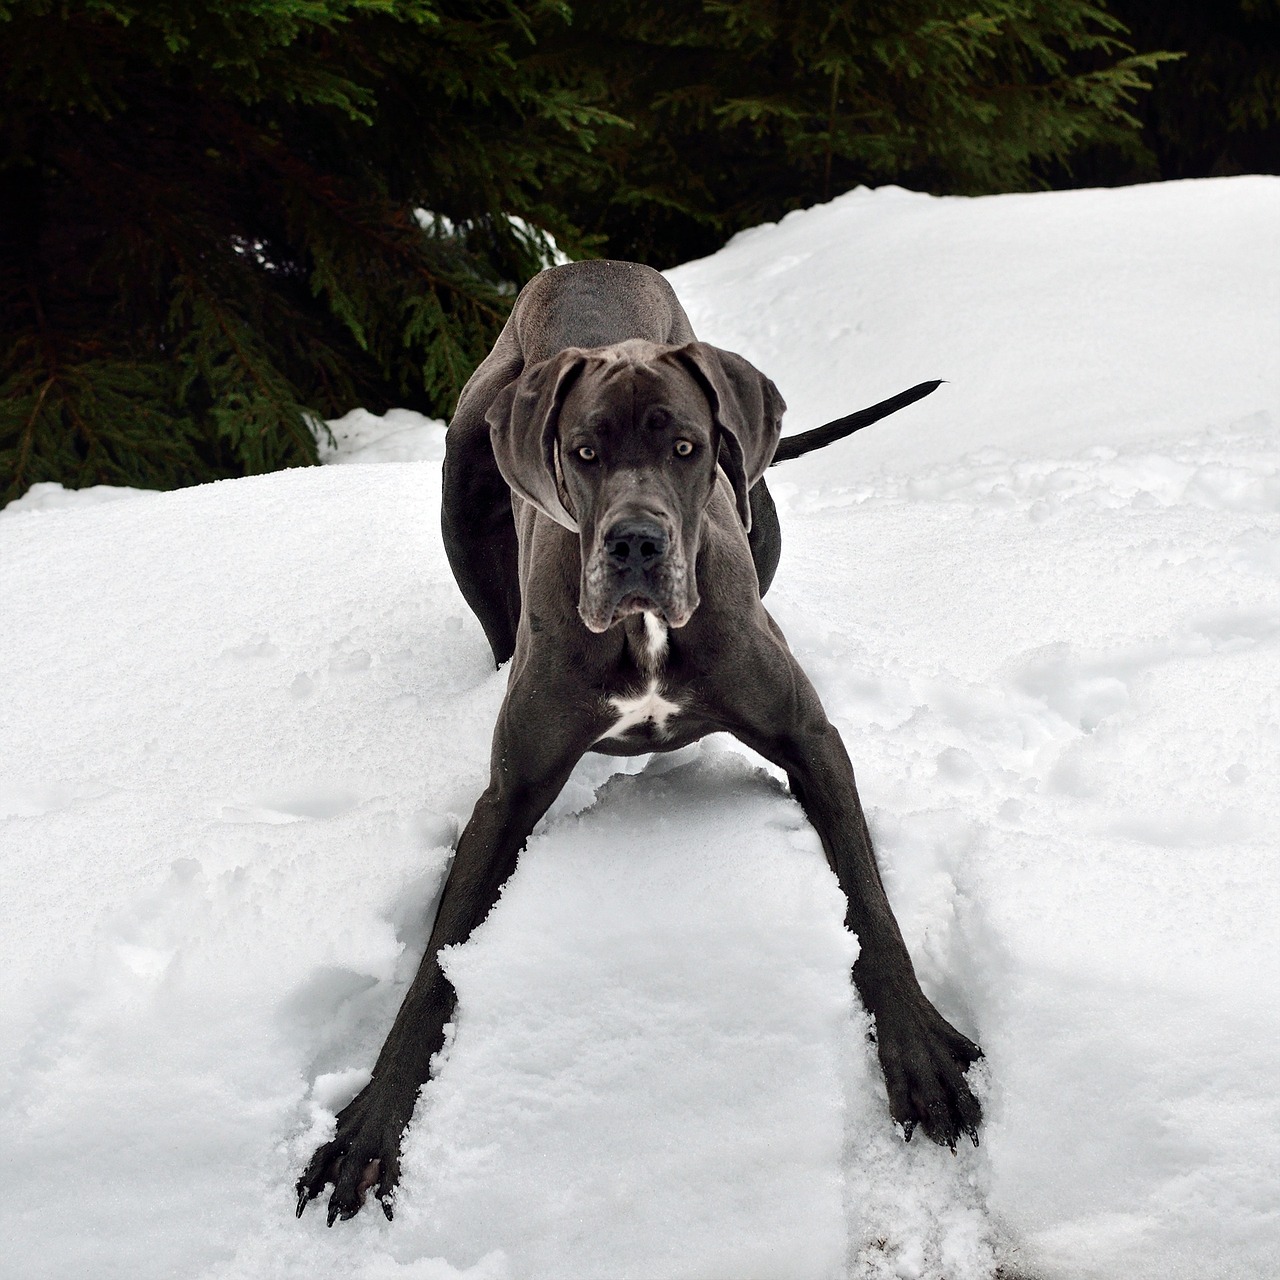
{"points": [[595, 304]]}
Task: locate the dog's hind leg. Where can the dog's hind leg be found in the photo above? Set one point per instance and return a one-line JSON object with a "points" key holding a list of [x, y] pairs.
{"points": [[765, 535], [480, 533]]}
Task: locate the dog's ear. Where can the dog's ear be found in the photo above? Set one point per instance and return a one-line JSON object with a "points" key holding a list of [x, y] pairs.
{"points": [[747, 409], [523, 421]]}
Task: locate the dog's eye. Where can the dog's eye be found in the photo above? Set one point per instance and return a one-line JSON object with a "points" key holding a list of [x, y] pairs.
{"points": [[684, 448], [587, 453]]}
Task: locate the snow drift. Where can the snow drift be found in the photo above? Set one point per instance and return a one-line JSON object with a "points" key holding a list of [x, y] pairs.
{"points": [[244, 721]]}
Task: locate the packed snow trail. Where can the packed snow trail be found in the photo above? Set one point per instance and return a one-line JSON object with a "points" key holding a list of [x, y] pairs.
{"points": [[245, 721]]}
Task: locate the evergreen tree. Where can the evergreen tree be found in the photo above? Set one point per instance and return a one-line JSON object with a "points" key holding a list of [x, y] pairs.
{"points": [[210, 224], [1216, 109], [745, 109]]}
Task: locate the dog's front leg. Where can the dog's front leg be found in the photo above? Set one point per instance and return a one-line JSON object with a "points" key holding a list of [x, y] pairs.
{"points": [[532, 758], [924, 1058]]}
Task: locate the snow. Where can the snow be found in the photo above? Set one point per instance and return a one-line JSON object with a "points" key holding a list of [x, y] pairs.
{"points": [[245, 721], [48, 495], [399, 435]]}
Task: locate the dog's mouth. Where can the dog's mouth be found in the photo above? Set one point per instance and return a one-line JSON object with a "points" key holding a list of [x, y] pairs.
{"points": [[602, 609], [636, 603], [601, 619]]}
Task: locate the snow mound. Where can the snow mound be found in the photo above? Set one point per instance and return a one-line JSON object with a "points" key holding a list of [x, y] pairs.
{"points": [[48, 495], [399, 435], [245, 721]]}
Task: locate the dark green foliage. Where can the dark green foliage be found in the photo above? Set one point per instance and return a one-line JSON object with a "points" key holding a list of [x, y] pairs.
{"points": [[210, 227], [1216, 110], [748, 108]]}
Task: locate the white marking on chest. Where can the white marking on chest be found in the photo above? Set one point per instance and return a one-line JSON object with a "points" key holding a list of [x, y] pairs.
{"points": [[649, 705], [655, 634]]}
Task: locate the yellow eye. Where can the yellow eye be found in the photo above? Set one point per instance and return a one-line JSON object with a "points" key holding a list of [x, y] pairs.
{"points": [[684, 448], [587, 453]]}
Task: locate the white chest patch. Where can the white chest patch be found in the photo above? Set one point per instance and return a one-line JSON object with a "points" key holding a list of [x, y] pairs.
{"points": [[647, 706]]}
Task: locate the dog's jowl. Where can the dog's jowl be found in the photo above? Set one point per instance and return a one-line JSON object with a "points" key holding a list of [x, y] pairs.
{"points": [[606, 517]]}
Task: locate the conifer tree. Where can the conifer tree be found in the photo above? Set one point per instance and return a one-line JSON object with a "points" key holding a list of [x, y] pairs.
{"points": [[1216, 109], [213, 220], [745, 109]]}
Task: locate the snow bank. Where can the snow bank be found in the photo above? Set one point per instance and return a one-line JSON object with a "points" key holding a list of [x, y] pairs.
{"points": [[48, 495], [399, 435], [244, 722], [1068, 319]]}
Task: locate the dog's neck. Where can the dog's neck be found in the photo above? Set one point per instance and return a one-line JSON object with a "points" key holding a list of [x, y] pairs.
{"points": [[647, 641]]}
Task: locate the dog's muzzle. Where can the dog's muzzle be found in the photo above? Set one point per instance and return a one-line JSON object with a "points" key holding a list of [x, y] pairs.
{"points": [[635, 569]]}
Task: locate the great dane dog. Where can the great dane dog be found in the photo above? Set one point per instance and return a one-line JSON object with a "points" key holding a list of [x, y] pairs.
{"points": [[606, 518]]}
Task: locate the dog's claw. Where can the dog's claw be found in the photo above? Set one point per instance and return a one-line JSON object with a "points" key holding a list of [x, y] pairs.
{"points": [[308, 1188], [362, 1157], [924, 1060]]}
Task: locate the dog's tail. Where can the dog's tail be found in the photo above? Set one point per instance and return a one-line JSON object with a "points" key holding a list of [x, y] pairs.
{"points": [[796, 446]]}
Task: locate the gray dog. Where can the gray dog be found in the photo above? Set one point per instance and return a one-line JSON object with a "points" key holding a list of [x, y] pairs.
{"points": [[606, 518]]}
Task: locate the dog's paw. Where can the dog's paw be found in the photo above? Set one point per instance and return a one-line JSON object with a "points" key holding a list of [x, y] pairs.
{"points": [[363, 1156], [924, 1060]]}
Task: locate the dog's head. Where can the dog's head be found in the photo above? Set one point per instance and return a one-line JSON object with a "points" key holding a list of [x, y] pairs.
{"points": [[621, 445]]}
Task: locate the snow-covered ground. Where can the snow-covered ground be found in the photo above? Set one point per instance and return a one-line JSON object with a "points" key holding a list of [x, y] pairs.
{"points": [[243, 722]]}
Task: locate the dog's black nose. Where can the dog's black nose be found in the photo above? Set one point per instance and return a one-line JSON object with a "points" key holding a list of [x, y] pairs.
{"points": [[635, 544]]}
